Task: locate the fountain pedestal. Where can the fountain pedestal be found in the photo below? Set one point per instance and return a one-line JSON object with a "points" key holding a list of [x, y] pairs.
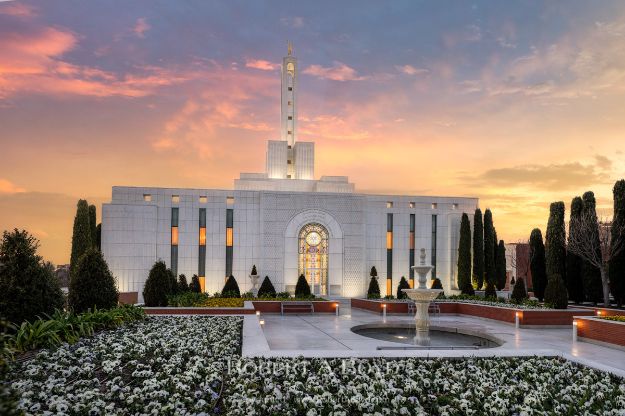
{"points": [[422, 296]]}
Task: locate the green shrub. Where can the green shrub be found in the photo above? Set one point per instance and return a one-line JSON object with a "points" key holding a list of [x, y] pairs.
{"points": [[518, 291], [490, 292], [403, 284], [436, 284], [173, 283], [28, 286], [389, 297], [195, 285], [266, 289], [302, 288], [231, 288], [187, 299], [157, 285], [283, 295], [374, 288], [92, 285], [183, 286], [555, 293]]}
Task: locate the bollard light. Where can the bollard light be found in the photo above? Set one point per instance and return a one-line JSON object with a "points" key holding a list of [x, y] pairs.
{"points": [[517, 315], [598, 313], [384, 310], [336, 309], [257, 313], [262, 322], [574, 331]]}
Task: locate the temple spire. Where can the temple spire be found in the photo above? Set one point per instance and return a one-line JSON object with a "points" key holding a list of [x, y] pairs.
{"points": [[289, 46]]}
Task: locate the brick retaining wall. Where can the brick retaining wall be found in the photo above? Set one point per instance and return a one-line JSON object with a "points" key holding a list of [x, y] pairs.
{"points": [[602, 330]]}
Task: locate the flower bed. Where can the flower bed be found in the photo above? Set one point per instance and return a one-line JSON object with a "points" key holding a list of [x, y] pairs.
{"points": [[494, 386], [605, 330]]}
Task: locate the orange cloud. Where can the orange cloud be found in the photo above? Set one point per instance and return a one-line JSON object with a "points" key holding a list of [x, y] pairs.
{"points": [[7, 187], [261, 64]]}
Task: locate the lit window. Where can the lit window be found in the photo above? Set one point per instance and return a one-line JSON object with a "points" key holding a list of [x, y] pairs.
{"points": [[412, 204], [434, 205], [174, 236], [147, 197], [411, 239], [454, 206], [229, 237], [230, 200], [175, 199], [389, 204], [289, 132], [389, 240], [203, 236], [203, 200]]}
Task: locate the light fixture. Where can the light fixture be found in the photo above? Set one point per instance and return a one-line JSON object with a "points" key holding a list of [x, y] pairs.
{"points": [[257, 313], [262, 322]]}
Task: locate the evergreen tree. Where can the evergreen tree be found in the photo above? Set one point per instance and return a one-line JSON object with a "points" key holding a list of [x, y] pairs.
{"points": [[489, 249], [98, 237], [555, 293], [591, 275], [500, 262], [478, 250], [28, 286], [231, 288], [490, 292], [555, 241], [266, 289], [403, 284], [374, 288], [436, 284], [495, 249], [537, 264], [616, 268], [302, 289], [183, 286], [93, 225], [254, 272], [374, 272], [464, 257], [81, 236], [574, 282], [173, 283], [195, 285], [519, 293], [157, 285], [92, 285]]}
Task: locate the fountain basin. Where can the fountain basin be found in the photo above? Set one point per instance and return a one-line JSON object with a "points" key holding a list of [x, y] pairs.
{"points": [[441, 337]]}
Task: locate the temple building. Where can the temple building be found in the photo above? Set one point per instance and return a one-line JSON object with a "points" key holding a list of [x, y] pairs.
{"points": [[285, 221]]}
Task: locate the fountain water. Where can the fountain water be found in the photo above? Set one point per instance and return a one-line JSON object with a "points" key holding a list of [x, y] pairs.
{"points": [[422, 296]]}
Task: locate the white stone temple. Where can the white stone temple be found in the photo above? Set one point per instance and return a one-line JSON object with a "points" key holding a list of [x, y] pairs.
{"points": [[285, 221]]}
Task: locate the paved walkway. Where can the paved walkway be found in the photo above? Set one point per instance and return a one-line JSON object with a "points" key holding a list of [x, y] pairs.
{"points": [[325, 335]]}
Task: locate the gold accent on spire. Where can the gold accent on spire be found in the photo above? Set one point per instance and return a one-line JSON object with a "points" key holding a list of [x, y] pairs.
{"points": [[289, 47]]}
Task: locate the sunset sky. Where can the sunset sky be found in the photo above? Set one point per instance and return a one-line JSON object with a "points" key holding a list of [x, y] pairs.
{"points": [[517, 103]]}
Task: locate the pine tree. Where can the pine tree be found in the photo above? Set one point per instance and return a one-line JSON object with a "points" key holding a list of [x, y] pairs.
{"points": [[403, 284], [591, 275], [555, 293], [81, 237], [519, 293], [302, 288], [489, 249], [266, 289], [231, 288], [574, 282], [93, 225], [195, 285], [617, 262], [28, 286], [157, 285], [183, 286], [92, 285], [464, 257], [478, 250], [537, 264], [555, 241], [500, 261]]}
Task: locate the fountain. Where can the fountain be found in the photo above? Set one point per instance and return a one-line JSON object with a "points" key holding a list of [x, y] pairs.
{"points": [[422, 297]]}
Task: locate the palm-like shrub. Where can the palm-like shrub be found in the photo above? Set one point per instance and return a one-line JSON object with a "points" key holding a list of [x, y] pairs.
{"points": [[183, 286], [266, 289], [519, 294], [555, 293], [157, 287], [92, 285], [231, 288], [403, 284], [302, 288]]}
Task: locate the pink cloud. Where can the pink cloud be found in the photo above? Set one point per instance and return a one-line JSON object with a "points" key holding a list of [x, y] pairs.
{"points": [[17, 9], [411, 70], [261, 64], [141, 26], [8, 187], [338, 72]]}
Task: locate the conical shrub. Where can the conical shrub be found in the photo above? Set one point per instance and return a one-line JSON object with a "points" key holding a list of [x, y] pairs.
{"points": [[302, 288], [266, 289], [403, 284], [231, 288]]}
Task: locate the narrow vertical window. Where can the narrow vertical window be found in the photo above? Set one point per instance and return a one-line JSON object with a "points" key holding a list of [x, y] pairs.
{"points": [[433, 251], [411, 244], [229, 240], [174, 241], [201, 259], [389, 254]]}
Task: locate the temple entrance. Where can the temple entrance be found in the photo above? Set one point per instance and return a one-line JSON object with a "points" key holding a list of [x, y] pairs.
{"points": [[313, 257]]}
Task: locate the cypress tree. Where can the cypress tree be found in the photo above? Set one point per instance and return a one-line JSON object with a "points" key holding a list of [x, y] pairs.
{"points": [[464, 257], [195, 285], [555, 293], [266, 289], [617, 261], [302, 288], [495, 249], [157, 285], [574, 282], [555, 241], [591, 275], [500, 261], [92, 285], [183, 286], [403, 284], [81, 236], [93, 225], [231, 288], [98, 237], [489, 249], [478, 250], [537, 264]]}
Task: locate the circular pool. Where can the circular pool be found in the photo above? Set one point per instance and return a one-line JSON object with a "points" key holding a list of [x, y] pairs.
{"points": [[440, 336]]}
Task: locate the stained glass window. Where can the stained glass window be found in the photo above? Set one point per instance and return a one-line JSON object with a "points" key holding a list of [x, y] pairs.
{"points": [[313, 257]]}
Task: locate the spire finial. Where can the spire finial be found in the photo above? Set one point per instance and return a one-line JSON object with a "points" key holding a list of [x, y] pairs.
{"points": [[289, 47]]}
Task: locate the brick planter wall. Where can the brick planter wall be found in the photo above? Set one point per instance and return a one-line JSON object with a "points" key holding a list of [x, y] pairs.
{"points": [[603, 311], [602, 331], [274, 306], [128, 298], [197, 311]]}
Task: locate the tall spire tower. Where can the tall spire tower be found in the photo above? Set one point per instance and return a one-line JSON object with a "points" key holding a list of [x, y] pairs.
{"points": [[288, 113]]}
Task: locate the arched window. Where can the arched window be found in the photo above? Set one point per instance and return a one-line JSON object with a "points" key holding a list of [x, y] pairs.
{"points": [[313, 257]]}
